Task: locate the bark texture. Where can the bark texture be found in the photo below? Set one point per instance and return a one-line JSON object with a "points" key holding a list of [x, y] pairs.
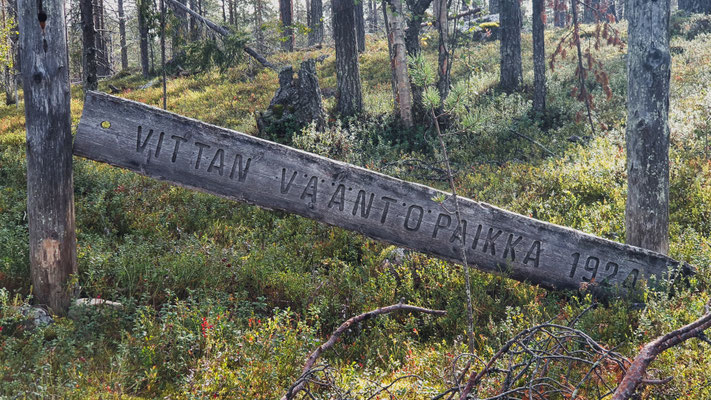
{"points": [[89, 68], [648, 68], [495, 6], [360, 24], [560, 13], [511, 70], [695, 6], [539, 56], [398, 62], [442, 24], [122, 35], [286, 15], [50, 193], [316, 24], [414, 24], [143, 9], [295, 104], [9, 12], [349, 95], [103, 64]]}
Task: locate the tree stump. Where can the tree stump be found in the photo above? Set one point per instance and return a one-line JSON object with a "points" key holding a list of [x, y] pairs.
{"points": [[296, 104]]}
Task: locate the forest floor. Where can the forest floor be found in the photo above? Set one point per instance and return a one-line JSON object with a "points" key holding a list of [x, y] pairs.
{"points": [[225, 300]]}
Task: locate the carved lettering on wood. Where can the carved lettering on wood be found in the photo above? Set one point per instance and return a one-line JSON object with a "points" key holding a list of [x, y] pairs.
{"points": [[193, 154]]}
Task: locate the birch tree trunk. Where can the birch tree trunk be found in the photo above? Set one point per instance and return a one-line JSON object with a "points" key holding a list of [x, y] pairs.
{"points": [[648, 68], [50, 192], [349, 96], [398, 62]]}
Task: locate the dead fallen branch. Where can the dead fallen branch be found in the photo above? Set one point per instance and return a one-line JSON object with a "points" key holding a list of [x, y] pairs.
{"points": [[224, 32], [525, 366], [308, 366], [637, 372]]}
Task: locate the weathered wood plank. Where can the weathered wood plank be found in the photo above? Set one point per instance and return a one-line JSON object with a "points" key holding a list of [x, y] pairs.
{"points": [[50, 190], [193, 154]]}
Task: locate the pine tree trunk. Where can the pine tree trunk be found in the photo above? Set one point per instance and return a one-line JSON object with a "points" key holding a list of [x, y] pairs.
{"points": [[510, 47], [360, 25], [560, 13], [398, 62], [231, 12], [122, 36], [591, 11], [374, 16], [258, 35], [442, 24], [417, 16], [316, 26], [143, 7], [539, 56], [89, 70], [495, 6], [50, 192], [648, 68], [286, 14], [349, 96], [9, 73], [194, 23], [695, 6]]}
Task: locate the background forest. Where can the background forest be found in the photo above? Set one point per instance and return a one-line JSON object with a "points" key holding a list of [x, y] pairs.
{"points": [[225, 300]]}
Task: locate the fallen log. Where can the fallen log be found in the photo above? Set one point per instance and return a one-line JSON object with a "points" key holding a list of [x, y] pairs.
{"points": [[224, 32], [196, 155]]}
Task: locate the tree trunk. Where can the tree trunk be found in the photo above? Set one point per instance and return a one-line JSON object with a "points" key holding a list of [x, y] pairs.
{"points": [[103, 66], [539, 56], [194, 23], [89, 70], [412, 33], [591, 11], [560, 13], [360, 25], [10, 82], [143, 8], [510, 47], [442, 24], [316, 26], [398, 62], [231, 12], [495, 6], [349, 96], [258, 35], [50, 192], [648, 68], [122, 36], [374, 16], [695, 6], [286, 14]]}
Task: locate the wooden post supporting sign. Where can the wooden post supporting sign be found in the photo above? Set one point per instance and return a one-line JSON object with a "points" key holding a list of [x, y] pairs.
{"points": [[50, 192]]}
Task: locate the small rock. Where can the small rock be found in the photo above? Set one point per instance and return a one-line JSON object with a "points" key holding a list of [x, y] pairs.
{"points": [[97, 302]]}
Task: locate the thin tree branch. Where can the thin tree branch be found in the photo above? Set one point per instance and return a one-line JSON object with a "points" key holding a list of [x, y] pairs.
{"points": [[344, 327]]}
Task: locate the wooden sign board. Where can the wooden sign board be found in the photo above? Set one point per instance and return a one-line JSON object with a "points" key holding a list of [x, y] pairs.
{"points": [[240, 167]]}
